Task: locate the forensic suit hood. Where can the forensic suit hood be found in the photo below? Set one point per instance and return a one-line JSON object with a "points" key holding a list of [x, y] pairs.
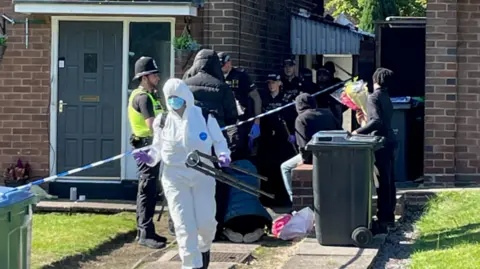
{"points": [[184, 134], [189, 193]]}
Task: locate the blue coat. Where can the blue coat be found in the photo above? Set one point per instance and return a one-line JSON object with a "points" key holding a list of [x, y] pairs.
{"points": [[241, 203]]}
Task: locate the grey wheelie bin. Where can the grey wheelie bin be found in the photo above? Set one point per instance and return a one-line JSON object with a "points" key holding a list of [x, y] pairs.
{"points": [[15, 227], [343, 168]]}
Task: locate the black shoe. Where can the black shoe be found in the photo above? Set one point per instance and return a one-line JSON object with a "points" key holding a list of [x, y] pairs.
{"points": [[206, 259], [160, 238], [151, 243], [171, 227], [382, 227]]}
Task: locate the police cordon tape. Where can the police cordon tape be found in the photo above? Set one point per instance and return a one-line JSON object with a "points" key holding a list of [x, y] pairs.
{"points": [[119, 156]]}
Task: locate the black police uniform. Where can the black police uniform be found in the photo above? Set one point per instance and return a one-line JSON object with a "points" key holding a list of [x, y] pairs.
{"points": [[292, 88], [274, 148], [145, 104]]}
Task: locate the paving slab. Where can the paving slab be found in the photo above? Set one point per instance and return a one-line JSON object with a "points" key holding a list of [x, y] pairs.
{"points": [[310, 246], [310, 254], [165, 261], [328, 262], [177, 265]]}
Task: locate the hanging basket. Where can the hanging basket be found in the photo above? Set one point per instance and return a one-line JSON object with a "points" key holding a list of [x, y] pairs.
{"points": [[3, 48], [183, 53]]}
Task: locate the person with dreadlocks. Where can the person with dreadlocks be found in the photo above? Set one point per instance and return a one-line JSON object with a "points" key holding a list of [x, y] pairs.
{"points": [[379, 113]]}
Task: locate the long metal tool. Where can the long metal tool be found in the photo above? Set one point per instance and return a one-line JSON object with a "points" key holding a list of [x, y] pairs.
{"points": [[214, 159], [288, 133], [194, 161]]}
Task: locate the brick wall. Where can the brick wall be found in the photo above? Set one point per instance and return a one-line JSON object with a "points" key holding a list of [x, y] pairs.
{"points": [[24, 91], [452, 110], [256, 33]]}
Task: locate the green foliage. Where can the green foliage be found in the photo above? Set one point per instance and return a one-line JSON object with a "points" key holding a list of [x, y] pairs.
{"points": [[3, 40], [355, 9], [185, 42], [375, 10]]}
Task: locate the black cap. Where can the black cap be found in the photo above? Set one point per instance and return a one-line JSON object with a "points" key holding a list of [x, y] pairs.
{"points": [[145, 66], [224, 58], [289, 62], [273, 77]]}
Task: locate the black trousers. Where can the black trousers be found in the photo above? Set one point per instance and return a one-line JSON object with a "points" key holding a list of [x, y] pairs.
{"points": [[147, 194], [385, 184]]}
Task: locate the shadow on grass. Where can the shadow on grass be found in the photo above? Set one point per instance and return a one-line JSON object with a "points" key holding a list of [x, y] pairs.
{"points": [[75, 261], [447, 239]]}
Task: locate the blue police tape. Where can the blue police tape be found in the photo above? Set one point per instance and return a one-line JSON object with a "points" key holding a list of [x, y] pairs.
{"points": [[119, 156]]}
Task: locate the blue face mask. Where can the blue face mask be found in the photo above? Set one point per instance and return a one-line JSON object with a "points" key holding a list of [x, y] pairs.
{"points": [[176, 102]]}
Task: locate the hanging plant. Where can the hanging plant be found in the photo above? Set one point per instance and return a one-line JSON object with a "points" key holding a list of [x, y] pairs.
{"points": [[185, 42], [3, 45]]}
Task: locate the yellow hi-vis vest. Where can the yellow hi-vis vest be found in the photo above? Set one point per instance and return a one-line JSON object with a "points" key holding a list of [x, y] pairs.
{"points": [[137, 121]]}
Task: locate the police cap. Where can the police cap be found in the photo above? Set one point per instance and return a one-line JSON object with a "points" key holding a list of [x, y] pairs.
{"points": [[145, 66]]}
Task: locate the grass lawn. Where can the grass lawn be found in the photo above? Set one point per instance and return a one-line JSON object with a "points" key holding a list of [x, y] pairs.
{"points": [[449, 232], [56, 236]]}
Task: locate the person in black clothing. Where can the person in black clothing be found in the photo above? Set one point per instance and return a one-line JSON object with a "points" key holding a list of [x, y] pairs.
{"points": [[379, 113], [325, 80], [276, 143], [205, 79], [310, 120], [249, 104], [306, 78], [142, 109], [336, 107], [292, 85]]}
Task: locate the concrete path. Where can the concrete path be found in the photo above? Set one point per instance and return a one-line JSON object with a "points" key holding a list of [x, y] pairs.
{"points": [[311, 255], [229, 254]]}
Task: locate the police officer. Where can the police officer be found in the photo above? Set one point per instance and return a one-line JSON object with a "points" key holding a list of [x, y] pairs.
{"points": [[142, 109], [249, 102], [292, 85], [275, 146]]}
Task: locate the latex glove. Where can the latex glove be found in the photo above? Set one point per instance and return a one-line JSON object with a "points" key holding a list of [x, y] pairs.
{"points": [[142, 156], [224, 161], [254, 131], [292, 139]]}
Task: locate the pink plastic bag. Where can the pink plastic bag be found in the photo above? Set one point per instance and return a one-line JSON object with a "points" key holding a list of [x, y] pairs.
{"points": [[279, 223]]}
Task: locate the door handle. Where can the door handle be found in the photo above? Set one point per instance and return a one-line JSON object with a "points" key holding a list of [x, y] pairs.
{"points": [[60, 106]]}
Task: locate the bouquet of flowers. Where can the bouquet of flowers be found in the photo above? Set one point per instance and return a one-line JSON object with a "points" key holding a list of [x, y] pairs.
{"points": [[354, 95]]}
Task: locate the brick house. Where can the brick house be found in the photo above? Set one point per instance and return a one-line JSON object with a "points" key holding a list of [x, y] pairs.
{"points": [[452, 109], [69, 63]]}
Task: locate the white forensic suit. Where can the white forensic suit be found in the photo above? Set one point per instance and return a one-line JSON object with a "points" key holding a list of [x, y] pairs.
{"points": [[190, 194]]}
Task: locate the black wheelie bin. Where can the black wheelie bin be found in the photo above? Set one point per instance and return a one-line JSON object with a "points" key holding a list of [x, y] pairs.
{"points": [[343, 167]]}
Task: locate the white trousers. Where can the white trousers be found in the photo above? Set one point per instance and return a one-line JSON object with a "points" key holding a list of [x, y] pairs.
{"points": [[192, 207]]}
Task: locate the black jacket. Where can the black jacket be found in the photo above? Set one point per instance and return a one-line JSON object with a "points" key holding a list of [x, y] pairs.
{"points": [[311, 120], [205, 79], [379, 113]]}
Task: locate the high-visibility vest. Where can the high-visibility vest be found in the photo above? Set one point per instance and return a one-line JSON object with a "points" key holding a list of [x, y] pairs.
{"points": [[137, 121]]}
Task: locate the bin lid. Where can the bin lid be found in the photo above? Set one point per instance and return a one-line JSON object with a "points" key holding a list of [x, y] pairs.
{"points": [[343, 138], [8, 197]]}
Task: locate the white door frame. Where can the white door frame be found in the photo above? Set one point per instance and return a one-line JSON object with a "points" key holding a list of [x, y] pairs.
{"points": [[125, 79]]}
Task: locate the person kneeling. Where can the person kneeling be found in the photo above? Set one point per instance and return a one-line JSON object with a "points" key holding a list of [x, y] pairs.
{"points": [[310, 120], [190, 194]]}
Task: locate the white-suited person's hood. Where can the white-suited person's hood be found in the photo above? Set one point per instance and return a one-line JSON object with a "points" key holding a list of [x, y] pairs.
{"points": [[176, 87]]}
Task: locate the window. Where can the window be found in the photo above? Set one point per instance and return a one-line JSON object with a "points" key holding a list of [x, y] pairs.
{"points": [[151, 39]]}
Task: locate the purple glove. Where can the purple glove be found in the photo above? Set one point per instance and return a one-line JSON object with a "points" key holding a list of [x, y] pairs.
{"points": [[292, 139], [142, 157], [224, 161]]}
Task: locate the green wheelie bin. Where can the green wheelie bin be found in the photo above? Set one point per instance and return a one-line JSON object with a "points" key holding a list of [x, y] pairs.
{"points": [[15, 227], [343, 168]]}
